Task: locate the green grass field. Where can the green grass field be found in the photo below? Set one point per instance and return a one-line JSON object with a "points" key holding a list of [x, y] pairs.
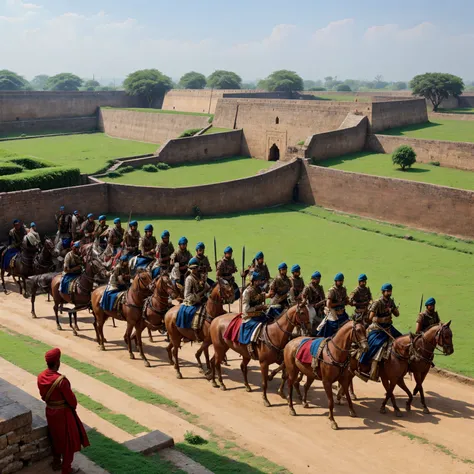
{"points": [[159, 111], [437, 129], [90, 152], [212, 130], [380, 164], [194, 174], [469, 111]]}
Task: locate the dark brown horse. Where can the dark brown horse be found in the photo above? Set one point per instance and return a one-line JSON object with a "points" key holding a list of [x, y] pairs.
{"points": [[41, 283], [268, 350], [142, 287], [221, 294], [424, 346], [333, 365]]}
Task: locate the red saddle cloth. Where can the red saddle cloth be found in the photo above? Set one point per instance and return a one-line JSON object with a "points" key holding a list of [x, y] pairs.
{"points": [[233, 329], [304, 352]]}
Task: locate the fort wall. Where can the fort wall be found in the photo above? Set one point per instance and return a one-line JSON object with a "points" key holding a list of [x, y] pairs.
{"points": [[70, 124], [386, 199], [392, 114]]}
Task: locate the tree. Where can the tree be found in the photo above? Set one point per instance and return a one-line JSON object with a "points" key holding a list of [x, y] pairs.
{"points": [[399, 86], [11, 81], [224, 80], [404, 156], [38, 83], [148, 83], [248, 85], [436, 86], [64, 81], [91, 85], [309, 84], [343, 88], [284, 80], [193, 80]]}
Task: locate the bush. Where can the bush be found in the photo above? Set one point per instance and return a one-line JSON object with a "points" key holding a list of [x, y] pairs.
{"points": [[434, 163], [48, 178], [192, 438], [190, 132], [113, 174], [9, 168], [125, 169], [31, 163], [300, 143], [150, 168], [343, 88], [163, 166], [211, 118], [404, 156]]}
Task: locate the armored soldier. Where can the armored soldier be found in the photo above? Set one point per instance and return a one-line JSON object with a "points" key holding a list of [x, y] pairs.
{"points": [[194, 287], [279, 291], [336, 302], [259, 266], [73, 264], [88, 229], [179, 261], [63, 222], [226, 268], [15, 239], [164, 250], [148, 243], [100, 235], [76, 223], [204, 265], [119, 281], [361, 298], [315, 299], [427, 318], [297, 284], [115, 237], [131, 240]]}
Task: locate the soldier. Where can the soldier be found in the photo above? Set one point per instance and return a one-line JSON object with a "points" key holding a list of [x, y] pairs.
{"points": [[115, 237], [179, 261], [427, 318], [279, 291], [131, 240], [335, 310], [33, 230], [32, 238], [380, 317], [100, 234], [226, 268], [297, 284], [164, 250], [119, 281], [88, 229], [76, 223], [15, 239], [315, 299], [63, 222], [259, 266], [204, 265], [73, 264], [361, 298], [148, 243]]}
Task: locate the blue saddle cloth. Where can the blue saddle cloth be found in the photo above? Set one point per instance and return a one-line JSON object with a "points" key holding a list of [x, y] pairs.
{"points": [[248, 327], [376, 339], [274, 311], [315, 346], [185, 316], [66, 243], [7, 257], [331, 327], [109, 298], [66, 281], [142, 261], [155, 273]]}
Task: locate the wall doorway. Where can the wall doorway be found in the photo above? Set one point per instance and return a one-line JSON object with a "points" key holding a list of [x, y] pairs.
{"points": [[274, 153]]}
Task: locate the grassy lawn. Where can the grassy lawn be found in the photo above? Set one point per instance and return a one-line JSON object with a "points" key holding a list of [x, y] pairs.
{"points": [[90, 153], [159, 111], [212, 130], [380, 164], [194, 174], [437, 129], [466, 110]]}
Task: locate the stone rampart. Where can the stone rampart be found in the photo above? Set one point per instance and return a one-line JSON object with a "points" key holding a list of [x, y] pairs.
{"points": [[425, 206], [449, 154], [147, 126], [441, 115], [67, 124], [392, 114]]}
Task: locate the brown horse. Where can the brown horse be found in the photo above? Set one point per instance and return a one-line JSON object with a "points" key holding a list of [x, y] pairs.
{"points": [[424, 346], [333, 365], [222, 293], [268, 350], [142, 287], [81, 297]]}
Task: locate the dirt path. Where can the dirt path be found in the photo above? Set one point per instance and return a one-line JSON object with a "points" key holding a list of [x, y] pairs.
{"points": [[369, 443]]}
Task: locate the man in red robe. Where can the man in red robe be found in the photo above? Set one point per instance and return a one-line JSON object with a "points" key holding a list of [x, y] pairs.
{"points": [[65, 428]]}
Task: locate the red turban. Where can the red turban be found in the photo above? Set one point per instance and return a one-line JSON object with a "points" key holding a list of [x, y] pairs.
{"points": [[53, 355]]}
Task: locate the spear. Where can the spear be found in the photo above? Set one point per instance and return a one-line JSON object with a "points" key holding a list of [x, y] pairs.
{"points": [[215, 253], [243, 278], [421, 303]]}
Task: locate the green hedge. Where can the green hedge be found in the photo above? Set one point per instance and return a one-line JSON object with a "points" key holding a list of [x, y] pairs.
{"points": [[9, 168], [48, 178], [31, 163], [190, 132]]}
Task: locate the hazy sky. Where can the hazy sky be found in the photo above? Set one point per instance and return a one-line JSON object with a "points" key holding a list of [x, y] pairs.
{"points": [[344, 38]]}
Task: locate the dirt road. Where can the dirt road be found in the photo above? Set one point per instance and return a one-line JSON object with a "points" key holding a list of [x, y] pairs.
{"points": [[370, 443]]}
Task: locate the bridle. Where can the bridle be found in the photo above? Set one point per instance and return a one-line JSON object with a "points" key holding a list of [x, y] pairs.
{"points": [[439, 341]]}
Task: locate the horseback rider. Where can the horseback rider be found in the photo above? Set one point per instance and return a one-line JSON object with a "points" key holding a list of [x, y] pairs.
{"points": [[164, 250], [119, 281], [100, 235], [335, 310], [314, 295], [380, 329], [427, 318], [34, 231], [179, 261], [131, 240], [148, 243], [226, 268], [115, 237], [73, 264], [76, 222], [279, 291], [297, 284], [63, 222], [32, 239], [204, 265], [259, 266], [88, 229], [15, 239], [361, 298]]}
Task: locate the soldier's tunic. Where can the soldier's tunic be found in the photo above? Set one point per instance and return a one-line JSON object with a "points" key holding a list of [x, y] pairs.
{"points": [[164, 252], [148, 246], [281, 285], [428, 319], [115, 238], [335, 316], [131, 242], [361, 298], [118, 282], [194, 289], [252, 300], [15, 240], [76, 223], [205, 268], [179, 261], [383, 310], [63, 222], [226, 269], [297, 287], [314, 295], [98, 231], [71, 261], [261, 269], [88, 229]]}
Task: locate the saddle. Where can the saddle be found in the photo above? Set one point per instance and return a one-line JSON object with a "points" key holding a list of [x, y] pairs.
{"points": [[310, 352], [118, 305]]}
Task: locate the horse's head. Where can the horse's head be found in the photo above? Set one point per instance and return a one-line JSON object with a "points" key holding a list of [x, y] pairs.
{"points": [[164, 286], [50, 248], [299, 316], [223, 292], [359, 336], [444, 338], [143, 282]]}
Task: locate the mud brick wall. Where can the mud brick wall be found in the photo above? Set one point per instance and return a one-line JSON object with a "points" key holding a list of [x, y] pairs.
{"points": [[392, 114], [72, 124]]}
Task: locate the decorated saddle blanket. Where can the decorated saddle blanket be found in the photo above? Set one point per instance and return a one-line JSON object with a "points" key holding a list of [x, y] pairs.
{"points": [[68, 283], [233, 329], [310, 349], [9, 258], [111, 300], [250, 330], [185, 316]]}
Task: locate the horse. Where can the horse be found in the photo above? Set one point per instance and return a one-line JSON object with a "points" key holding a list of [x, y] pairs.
{"points": [[424, 346], [333, 365], [221, 294], [131, 311], [40, 282], [81, 297], [268, 349]]}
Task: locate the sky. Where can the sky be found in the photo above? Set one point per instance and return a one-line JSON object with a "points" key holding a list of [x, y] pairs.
{"points": [[355, 39]]}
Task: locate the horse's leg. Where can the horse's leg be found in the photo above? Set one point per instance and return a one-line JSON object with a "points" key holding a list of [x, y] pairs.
{"points": [[351, 390], [292, 373], [3, 281], [345, 383], [70, 314], [403, 386], [76, 327], [170, 356], [19, 284], [328, 388], [128, 339], [206, 355], [243, 368], [55, 308], [216, 363], [176, 341], [138, 331], [419, 378], [25, 292], [113, 322], [275, 371], [264, 370], [309, 381], [281, 388], [297, 387], [393, 384], [203, 348], [150, 335], [33, 298], [386, 385]]}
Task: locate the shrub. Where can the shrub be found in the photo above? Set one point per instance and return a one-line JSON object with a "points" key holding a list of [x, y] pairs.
{"points": [[190, 132], [150, 168], [434, 163], [125, 169], [343, 88], [192, 438], [300, 143], [9, 168], [404, 156], [48, 178], [211, 118], [31, 163], [113, 174], [163, 166]]}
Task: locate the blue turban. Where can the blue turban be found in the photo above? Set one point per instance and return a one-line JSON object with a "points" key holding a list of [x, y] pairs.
{"points": [[16, 221], [228, 249], [282, 266], [386, 287], [76, 213], [148, 227], [123, 258], [193, 263], [257, 276], [362, 277], [133, 223], [32, 224], [259, 255], [339, 277], [430, 301], [295, 268], [316, 275], [165, 234], [102, 218], [61, 208], [117, 220], [77, 244], [90, 215], [182, 241], [200, 246]]}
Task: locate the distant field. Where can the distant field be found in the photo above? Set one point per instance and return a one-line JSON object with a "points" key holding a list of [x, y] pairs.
{"points": [[195, 174], [344, 98], [380, 164], [437, 129], [159, 111], [468, 111], [90, 152], [216, 130]]}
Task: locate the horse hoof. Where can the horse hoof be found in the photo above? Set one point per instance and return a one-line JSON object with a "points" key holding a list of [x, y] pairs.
{"points": [[105, 340], [353, 396], [132, 356], [74, 332], [147, 364], [334, 425], [305, 405], [398, 414], [59, 328], [223, 387], [248, 388], [201, 371], [179, 375], [408, 406], [266, 403], [270, 377], [352, 414], [426, 411], [383, 410], [102, 348], [214, 384], [76, 327], [33, 315], [338, 401], [292, 412]]}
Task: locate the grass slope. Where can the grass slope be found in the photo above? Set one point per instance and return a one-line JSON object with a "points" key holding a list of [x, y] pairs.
{"points": [[90, 152], [466, 110], [212, 130], [194, 174], [380, 164], [437, 129]]}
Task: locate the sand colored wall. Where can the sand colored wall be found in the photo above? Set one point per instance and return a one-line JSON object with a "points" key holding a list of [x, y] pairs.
{"points": [[392, 114], [72, 124]]}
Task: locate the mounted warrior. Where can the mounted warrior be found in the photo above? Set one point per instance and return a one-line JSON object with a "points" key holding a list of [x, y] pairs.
{"points": [[297, 284], [427, 318], [63, 223], [279, 292], [361, 298], [15, 240], [131, 240], [88, 229], [204, 265], [315, 297], [100, 232], [179, 262], [164, 250], [76, 223], [226, 268], [115, 237]]}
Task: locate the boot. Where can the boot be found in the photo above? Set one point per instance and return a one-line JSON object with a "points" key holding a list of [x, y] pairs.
{"points": [[374, 371]]}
